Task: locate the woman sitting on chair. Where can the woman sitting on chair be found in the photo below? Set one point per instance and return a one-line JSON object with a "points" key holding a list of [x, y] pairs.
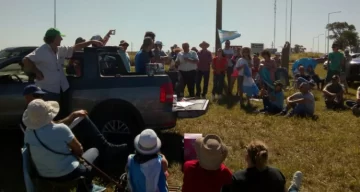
{"points": [[54, 148]]}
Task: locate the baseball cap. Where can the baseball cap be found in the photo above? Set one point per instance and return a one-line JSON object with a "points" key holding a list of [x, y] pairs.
{"points": [[123, 42], [52, 32], [33, 89], [158, 43]]}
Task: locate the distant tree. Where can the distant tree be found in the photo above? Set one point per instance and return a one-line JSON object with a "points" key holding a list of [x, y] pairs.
{"points": [[344, 34], [298, 49]]}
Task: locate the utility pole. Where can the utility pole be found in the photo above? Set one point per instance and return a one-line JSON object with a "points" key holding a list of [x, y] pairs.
{"points": [[286, 20], [291, 5], [218, 23], [54, 13], [274, 22]]}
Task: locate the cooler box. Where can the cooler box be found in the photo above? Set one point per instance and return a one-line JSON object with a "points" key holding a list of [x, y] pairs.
{"points": [[189, 145]]}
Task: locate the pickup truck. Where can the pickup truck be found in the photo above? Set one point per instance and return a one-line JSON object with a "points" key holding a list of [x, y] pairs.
{"points": [[117, 101]]}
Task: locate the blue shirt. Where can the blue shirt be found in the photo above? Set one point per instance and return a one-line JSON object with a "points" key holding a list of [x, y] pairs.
{"points": [[56, 137], [141, 59], [279, 99]]}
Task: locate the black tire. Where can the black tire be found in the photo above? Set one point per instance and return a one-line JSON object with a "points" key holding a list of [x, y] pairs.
{"points": [[119, 113]]}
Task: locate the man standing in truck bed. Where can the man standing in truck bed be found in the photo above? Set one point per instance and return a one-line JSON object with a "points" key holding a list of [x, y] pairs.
{"points": [[47, 63]]}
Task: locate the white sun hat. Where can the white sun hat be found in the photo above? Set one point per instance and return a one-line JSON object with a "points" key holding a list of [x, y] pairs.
{"points": [[147, 142], [40, 113]]}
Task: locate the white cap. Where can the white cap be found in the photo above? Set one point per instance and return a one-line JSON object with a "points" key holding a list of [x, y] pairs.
{"points": [[158, 43], [278, 53]]}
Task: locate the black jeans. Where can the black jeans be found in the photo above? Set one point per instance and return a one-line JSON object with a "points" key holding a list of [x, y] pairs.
{"points": [[187, 78], [89, 136], [82, 170], [269, 107], [218, 86], [319, 82], [63, 98], [199, 76]]}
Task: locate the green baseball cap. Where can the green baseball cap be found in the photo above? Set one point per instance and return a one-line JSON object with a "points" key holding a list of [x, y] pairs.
{"points": [[52, 32]]}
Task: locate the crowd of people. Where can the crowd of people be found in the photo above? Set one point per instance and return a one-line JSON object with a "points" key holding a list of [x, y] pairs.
{"points": [[147, 169]]}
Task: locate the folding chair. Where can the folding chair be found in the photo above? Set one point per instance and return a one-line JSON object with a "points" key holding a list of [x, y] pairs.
{"points": [[41, 184]]}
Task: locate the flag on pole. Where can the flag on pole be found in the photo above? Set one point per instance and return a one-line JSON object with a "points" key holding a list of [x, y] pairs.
{"points": [[228, 35]]}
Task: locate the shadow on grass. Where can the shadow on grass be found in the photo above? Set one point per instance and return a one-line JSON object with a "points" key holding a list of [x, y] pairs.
{"points": [[229, 100], [172, 146], [249, 109]]}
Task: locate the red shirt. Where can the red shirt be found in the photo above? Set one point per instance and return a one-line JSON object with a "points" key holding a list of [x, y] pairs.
{"points": [[198, 179], [220, 66]]}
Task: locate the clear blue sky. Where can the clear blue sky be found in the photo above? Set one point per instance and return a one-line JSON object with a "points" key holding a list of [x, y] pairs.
{"points": [[24, 22]]}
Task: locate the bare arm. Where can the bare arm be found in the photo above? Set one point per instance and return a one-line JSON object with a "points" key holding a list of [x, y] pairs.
{"points": [[76, 147], [30, 66], [80, 46], [69, 119]]}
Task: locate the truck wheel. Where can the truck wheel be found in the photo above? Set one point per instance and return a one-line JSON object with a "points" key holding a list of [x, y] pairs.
{"points": [[117, 126]]}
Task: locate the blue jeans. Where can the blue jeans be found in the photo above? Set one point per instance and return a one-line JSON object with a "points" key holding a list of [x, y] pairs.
{"points": [[269, 107], [350, 103], [218, 84], [82, 171]]}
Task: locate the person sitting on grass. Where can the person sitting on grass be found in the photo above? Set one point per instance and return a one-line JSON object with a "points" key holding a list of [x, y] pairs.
{"points": [[61, 164], [147, 168], [258, 176], [319, 82], [273, 102], [207, 173], [355, 105], [334, 94], [303, 77], [302, 103]]}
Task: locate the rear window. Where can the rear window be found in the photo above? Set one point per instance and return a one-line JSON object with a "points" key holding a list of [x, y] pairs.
{"points": [[111, 64], [7, 54]]}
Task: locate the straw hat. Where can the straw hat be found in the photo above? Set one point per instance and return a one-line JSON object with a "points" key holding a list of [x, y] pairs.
{"points": [[211, 152], [40, 113], [205, 44], [147, 142]]}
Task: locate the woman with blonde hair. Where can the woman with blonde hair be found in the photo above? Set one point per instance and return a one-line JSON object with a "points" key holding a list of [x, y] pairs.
{"points": [[258, 176], [246, 83]]}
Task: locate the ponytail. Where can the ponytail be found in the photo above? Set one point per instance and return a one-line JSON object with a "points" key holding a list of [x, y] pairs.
{"points": [[258, 154]]}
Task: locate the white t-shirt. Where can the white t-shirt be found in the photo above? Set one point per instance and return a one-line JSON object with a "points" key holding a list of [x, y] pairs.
{"points": [[184, 65], [241, 62], [52, 67], [358, 93], [229, 53]]}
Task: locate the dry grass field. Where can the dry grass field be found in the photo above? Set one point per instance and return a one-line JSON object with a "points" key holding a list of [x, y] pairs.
{"points": [[327, 151]]}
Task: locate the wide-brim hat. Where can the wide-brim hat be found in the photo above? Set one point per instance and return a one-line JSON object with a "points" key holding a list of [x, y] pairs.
{"points": [[211, 152], [147, 142], [40, 113], [204, 44]]}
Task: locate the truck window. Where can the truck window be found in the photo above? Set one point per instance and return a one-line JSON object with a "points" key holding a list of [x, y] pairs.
{"points": [[111, 64], [13, 73]]}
